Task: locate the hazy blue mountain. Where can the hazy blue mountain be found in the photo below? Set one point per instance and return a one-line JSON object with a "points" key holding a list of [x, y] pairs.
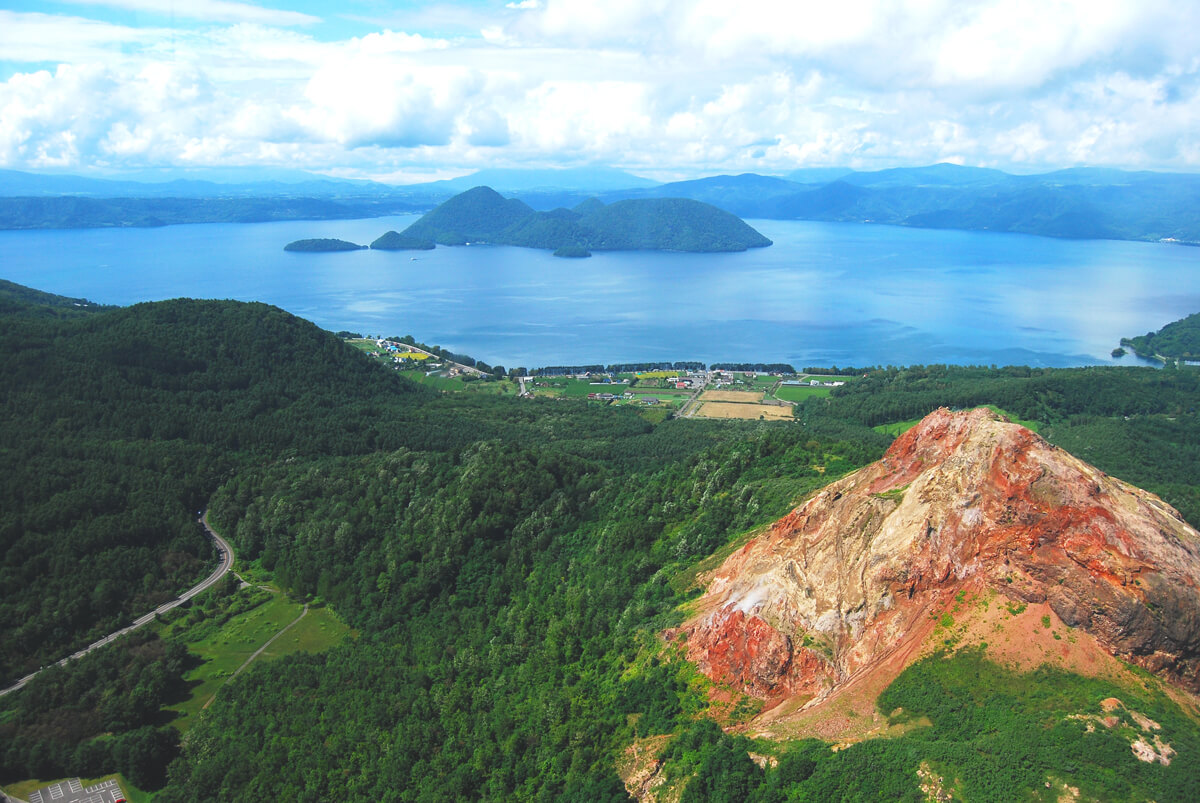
{"points": [[78, 212], [583, 179], [1074, 203], [1077, 202], [938, 175], [190, 184], [817, 175]]}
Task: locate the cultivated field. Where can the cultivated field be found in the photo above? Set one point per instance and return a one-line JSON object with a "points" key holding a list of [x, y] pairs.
{"points": [[742, 396], [800, 392], [736, 410]]}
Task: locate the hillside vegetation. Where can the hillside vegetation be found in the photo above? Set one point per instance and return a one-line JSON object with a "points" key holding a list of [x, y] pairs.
{"points": [[506, 563], [1179, 340]]}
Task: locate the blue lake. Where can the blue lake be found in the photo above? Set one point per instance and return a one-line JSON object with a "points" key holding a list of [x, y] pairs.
{"points": [[825, 293]]}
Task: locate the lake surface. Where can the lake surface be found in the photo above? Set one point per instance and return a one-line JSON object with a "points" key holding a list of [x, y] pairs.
{"points": [[825, 293]]}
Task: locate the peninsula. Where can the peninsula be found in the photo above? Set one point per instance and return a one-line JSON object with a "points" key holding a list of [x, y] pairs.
{"points": [[1179, 340]]}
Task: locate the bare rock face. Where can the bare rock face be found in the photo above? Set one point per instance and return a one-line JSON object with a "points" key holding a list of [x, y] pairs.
{"points": [[961, 500]]}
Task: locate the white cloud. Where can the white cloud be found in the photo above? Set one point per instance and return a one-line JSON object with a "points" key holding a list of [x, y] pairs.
{"points": [[662, 85], [33, 38], [207, 10]]}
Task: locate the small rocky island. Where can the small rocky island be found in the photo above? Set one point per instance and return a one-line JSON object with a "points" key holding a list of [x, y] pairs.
{"points": [[323, 244]]}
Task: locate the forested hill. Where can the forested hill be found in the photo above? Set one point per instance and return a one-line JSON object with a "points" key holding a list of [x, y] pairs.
{"points": [[508, 566], [117, 426], [1178, 340], [672, 224], [16, 299]]}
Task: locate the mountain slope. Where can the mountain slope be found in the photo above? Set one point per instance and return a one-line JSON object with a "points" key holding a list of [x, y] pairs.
{"points": [[479, 214], [962, 503]]}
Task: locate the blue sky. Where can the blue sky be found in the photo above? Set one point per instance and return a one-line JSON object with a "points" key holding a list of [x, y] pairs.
{"points": [[665, 88]]}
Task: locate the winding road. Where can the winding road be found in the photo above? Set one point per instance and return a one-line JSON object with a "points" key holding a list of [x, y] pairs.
{"points": [[223, 549]]}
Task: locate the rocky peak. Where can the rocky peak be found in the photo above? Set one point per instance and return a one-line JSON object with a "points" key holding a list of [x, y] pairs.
{"points": [[962, 500]]}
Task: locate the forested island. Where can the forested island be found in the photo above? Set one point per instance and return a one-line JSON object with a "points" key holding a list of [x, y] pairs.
{"points": [[507, 566], [323, 244], [1179, 340], [482, 215]]}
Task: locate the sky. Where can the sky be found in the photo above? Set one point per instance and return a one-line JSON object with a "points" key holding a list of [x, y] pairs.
{"points": [[414, 91]]}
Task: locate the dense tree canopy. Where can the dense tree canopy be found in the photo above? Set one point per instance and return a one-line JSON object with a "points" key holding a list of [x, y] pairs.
{"points": [[506, 564]]}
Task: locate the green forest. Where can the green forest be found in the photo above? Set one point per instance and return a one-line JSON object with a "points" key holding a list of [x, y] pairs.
{"points": [[1178, 340], [505, 565]]}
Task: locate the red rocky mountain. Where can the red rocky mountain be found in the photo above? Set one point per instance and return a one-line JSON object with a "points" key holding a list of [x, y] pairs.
{"points": [[964, 501]]}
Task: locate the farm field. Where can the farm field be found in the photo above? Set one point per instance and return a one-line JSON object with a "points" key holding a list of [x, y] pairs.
{"points": [[747, 411], [664, 392], [800, 392], [742, 396]]}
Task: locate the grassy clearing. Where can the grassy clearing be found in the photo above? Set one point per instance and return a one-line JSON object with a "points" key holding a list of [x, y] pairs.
{"points": [[222, 650], [317, 631], [795, 393], [655, 415], [897, 429], [453, 384]]}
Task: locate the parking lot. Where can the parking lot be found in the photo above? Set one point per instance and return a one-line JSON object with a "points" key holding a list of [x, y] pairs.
{"points": [[73, 791]]}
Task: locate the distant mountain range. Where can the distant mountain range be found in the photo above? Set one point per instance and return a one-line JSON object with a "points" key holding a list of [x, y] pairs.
{"points": [[1091, 203]]}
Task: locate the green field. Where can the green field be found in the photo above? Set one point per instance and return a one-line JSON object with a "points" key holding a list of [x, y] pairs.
{"points": [[224, 648], [795, 393], [572, 388]]}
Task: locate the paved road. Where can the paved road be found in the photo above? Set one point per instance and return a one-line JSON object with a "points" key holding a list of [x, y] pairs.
{"points": [[689, 407], [223, 549]]}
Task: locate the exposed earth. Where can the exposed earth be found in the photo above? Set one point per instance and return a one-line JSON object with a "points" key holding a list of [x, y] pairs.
{"points": [[969, 530]]}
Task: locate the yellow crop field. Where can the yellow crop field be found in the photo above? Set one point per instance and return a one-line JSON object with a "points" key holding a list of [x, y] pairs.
{"points": [[750, 411], [656, 374], [743, 396]]}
